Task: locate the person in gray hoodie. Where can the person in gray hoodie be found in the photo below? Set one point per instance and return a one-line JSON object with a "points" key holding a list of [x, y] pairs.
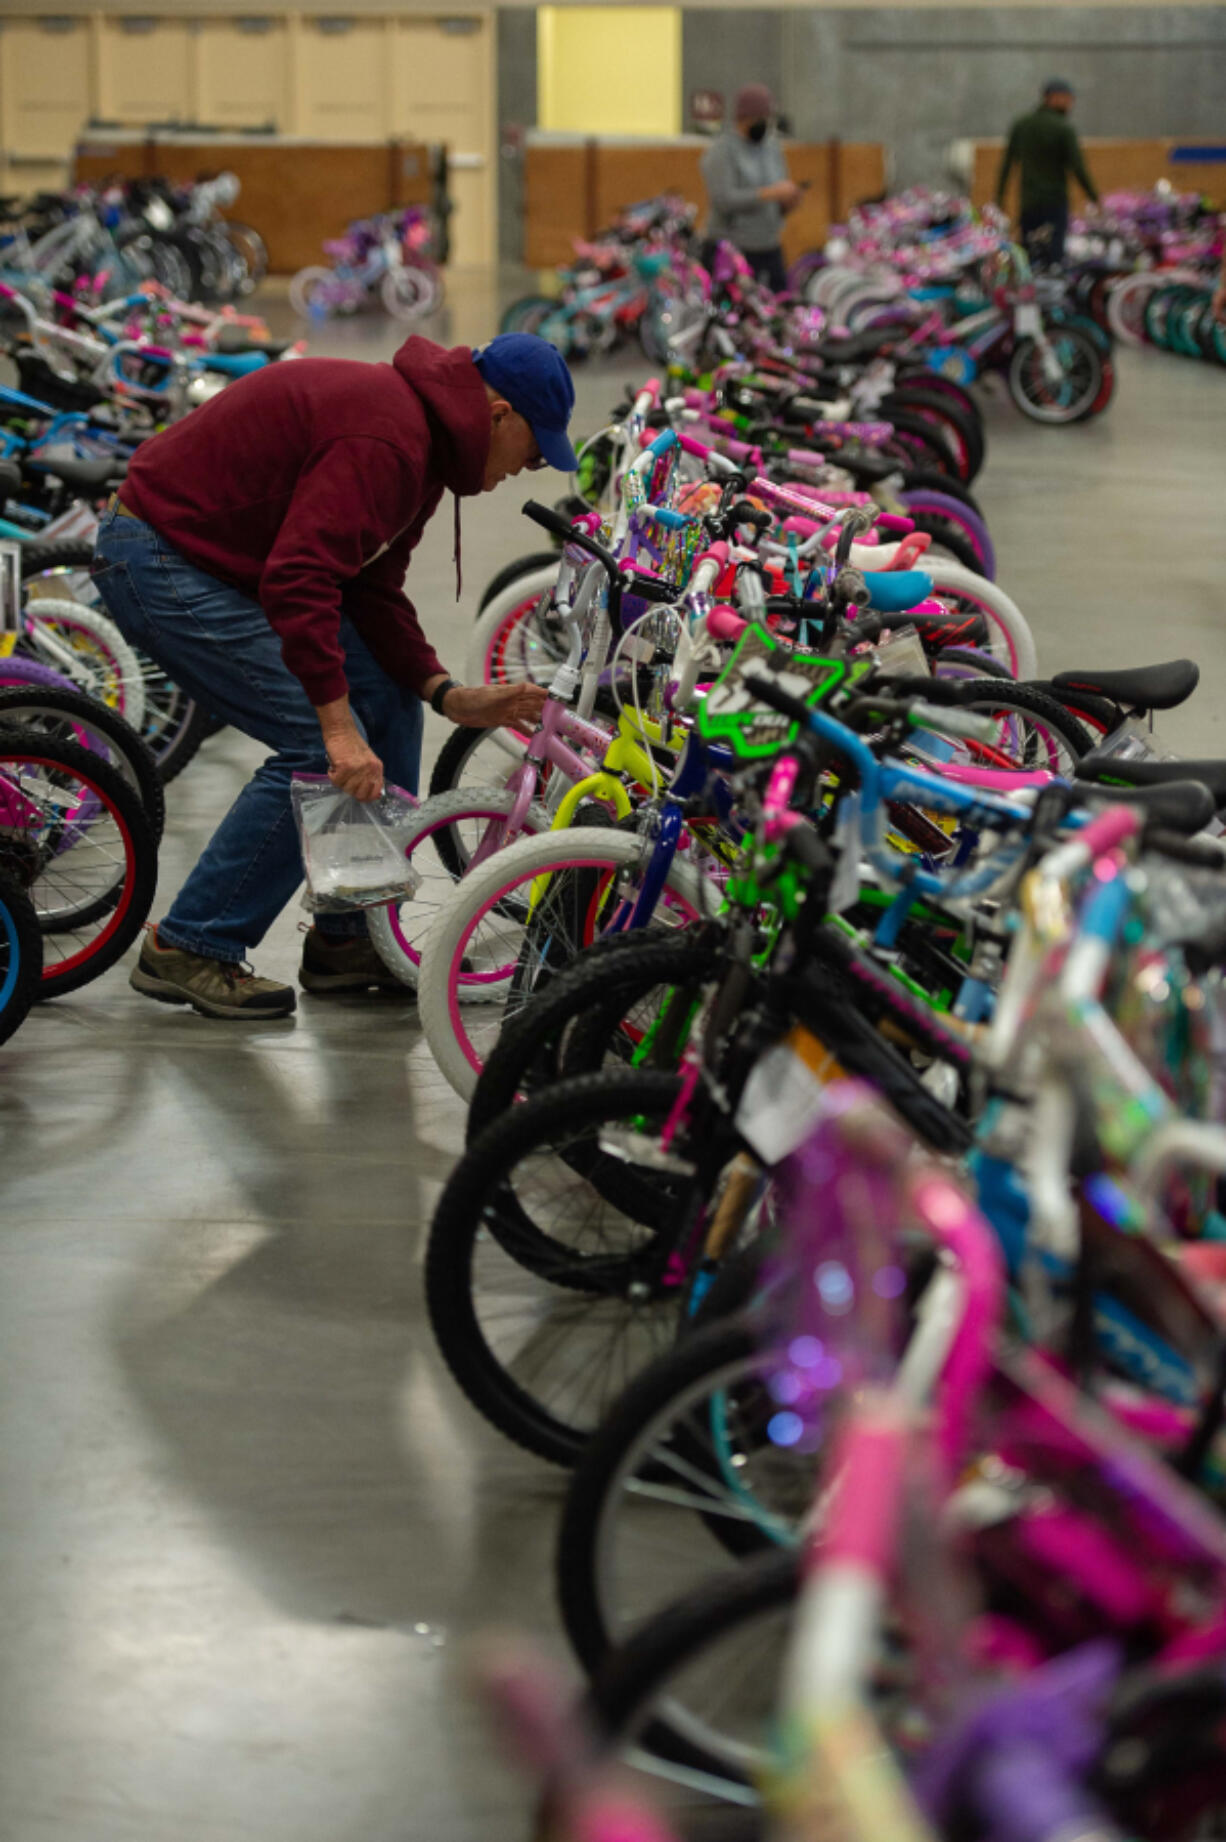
{"points": [[748, 189]]}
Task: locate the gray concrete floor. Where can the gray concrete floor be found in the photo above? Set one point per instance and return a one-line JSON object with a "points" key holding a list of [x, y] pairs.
{"points": [[246, 1522]]}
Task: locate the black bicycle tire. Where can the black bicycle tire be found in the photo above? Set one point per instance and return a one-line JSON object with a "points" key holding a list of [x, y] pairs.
{"points": [[709, 1351], [610, 973], [511, 572], [913, 400], [635, 1673], [128, 806], [55, 553], [14, 899], [1034, 703], [914, 429], [454, 1231], [945, 533], [119, 733], [916, 479], [188, 739]]}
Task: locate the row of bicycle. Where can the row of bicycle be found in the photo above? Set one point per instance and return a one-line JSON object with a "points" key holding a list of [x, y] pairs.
{"points": [[959, 306], [840, 1010], [91, 730], [103, 242]]}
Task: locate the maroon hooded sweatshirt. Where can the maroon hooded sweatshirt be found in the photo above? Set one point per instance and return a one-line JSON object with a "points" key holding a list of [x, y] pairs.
{"points": [[308, 485]]}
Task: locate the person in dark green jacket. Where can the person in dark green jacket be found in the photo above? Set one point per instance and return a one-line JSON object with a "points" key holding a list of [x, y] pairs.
{"points": [[1044, 145]]}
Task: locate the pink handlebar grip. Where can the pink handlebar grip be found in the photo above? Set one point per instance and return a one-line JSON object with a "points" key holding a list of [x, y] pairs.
{"points": [[1109, 829], [725, 624]]}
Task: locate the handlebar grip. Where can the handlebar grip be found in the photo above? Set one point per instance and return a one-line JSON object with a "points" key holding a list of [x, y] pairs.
{"points": [[561, 526], [549, 520], [968, 724]]}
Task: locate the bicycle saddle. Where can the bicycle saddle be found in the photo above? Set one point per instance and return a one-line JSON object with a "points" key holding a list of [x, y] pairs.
{"points": [[866, 468], [1145, 687], [1110, 770], [895, 591], [235, 364], [1183, 806], [84, 476]]}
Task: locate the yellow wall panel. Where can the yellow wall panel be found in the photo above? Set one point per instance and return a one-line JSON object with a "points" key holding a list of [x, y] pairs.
{"points": [[343, 81], [609, 69], [146, 75], [242, 76], [44, 87]]}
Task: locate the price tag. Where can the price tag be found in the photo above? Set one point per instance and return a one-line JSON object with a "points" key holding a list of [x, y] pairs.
{"points": [[1027, 320], [782, 1098]]}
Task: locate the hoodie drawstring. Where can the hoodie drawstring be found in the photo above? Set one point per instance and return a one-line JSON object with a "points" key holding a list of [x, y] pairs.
{"points": [[456, 552]]}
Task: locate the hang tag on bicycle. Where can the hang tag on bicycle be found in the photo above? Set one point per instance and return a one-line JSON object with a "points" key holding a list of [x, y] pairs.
{"points": [[1027, 320], [782, 1100], [903, 655], [1134, 740], [848, 839]]}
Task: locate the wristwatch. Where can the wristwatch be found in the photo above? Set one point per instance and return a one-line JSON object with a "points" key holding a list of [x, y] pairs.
{"points": [[439, 692]]}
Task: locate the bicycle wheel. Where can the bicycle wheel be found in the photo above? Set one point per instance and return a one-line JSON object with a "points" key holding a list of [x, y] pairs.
{"points": [[309, 291], [544, 1279], [21, 955], [681, 1476], [1070, 390], [472, 758], [1033, 730], [963, 433], [87, 646], [70, 716], [518, 635], [924, 503], [439, 846], [526, 314], [75, 836], [1009, 637], [406, 294], [519, 919], [698, 1687], [616, 989], [514, 572]]}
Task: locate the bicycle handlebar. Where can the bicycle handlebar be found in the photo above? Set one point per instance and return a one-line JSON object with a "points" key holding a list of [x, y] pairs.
{"points": [[561, 526]]}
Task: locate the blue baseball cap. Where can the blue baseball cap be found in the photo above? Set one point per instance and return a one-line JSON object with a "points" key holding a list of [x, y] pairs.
{"points": [[532, 375], [1055, 85]]}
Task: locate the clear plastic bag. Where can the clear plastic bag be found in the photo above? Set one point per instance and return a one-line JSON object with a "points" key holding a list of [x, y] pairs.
{"points": [[353, 851]]}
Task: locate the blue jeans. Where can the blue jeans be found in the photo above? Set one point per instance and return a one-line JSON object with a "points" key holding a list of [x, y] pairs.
{"points": [[217, 644]]}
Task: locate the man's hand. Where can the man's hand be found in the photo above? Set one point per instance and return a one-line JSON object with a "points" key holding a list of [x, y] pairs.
{"points": [[783, 192], [353, 766], [489, 706]]}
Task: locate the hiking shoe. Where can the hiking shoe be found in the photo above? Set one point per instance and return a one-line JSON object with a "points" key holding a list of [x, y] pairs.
{"points": [[214, 987], [334, 964]]}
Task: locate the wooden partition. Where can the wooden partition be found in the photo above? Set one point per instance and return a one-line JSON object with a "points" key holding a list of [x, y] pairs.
{"points": [[571, 189], [294, 193], [1114, 166]]}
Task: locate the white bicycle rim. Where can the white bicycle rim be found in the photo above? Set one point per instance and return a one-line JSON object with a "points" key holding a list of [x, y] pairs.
{"points": [[1010, 639], [129, 677], [399, 931], [487, 624], [441, 976]]}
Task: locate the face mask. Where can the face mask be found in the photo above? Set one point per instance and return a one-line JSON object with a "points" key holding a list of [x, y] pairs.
{"points": [[757, 130]]}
